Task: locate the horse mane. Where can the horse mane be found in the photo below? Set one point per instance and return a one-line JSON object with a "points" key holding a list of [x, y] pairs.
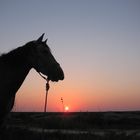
{"points": [[16, 56]]}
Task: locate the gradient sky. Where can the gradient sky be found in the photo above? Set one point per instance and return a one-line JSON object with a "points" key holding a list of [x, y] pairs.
{"points": [[97, 42]]}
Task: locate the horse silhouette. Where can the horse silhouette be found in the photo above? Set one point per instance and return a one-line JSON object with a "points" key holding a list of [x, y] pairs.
{"points": [[15, 65]]}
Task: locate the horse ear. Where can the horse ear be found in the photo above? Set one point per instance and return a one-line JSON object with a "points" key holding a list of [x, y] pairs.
{"points": [[46, 41], [40, 38]]}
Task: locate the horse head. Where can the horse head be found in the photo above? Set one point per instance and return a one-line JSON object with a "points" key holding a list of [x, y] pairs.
{"points": [[43, 60]]}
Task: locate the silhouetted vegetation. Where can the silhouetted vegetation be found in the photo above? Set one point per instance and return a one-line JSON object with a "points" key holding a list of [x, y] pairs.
{"points": [[73, 126]]}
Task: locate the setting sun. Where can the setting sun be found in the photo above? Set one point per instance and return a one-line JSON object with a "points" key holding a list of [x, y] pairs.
{"points": [[66, 108]]}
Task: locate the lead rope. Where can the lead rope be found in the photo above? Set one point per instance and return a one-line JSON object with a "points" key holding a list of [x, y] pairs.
{"points": [[47, 88], [45, 105]]}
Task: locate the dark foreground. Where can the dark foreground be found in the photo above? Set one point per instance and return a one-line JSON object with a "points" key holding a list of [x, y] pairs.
{"points": [[73, 126]]}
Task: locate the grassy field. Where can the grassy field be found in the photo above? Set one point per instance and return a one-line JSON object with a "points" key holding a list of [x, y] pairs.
{"points": [[73, 126]]}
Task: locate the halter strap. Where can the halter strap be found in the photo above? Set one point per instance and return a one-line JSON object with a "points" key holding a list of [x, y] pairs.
{"points": [[44, 77], [47, 80]]}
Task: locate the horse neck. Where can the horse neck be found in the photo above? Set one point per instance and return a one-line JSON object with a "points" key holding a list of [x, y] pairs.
{"points": [[14, 68]]}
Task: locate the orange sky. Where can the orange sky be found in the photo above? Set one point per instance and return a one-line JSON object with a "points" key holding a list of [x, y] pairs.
{"points": [[77, 96]]}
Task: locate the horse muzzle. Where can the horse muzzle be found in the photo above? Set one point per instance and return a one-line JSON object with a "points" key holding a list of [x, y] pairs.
{"points": [[56, 74]]}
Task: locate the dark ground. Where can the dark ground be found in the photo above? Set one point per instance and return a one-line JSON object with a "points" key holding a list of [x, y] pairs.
{"points": [[73, 126]]}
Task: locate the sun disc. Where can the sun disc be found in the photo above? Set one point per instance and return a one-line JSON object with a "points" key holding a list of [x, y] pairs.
{"points": [[66, 108]]}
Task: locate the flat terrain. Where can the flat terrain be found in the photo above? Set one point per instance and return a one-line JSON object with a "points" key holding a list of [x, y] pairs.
{"points": [[73, 126]]}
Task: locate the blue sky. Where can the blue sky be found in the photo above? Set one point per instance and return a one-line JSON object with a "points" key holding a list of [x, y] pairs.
{"points": [[97, 42]]}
